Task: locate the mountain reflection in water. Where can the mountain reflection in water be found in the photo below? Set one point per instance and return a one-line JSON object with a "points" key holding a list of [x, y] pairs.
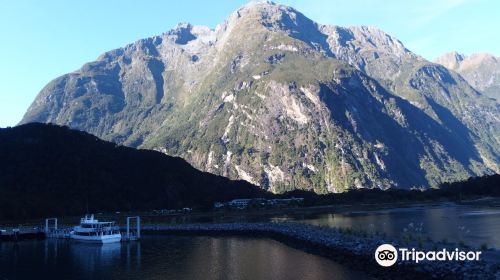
{"points": [[161, 257]]}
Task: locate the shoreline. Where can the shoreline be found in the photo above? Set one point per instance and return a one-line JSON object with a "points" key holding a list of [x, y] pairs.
{"points": [[260, 213], [355, 252]]}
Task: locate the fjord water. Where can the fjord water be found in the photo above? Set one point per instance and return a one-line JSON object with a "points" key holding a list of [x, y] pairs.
{"points": [[166, 257], [468, 224], [474, 225]]}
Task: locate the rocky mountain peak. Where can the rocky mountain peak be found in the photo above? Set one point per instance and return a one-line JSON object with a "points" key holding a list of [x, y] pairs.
{"points": [[450, 60], [262, 8], [271, 97], [481, 70], [271, 15], [455, 60]]}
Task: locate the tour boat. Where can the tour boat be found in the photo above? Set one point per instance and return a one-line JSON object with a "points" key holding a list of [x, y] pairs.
{"points": [[91, 230]]}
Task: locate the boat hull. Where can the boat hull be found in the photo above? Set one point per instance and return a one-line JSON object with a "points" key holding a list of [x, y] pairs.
{"points": [[98, 239]]}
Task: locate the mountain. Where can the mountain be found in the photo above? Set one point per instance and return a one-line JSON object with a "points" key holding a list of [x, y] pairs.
{"points": [[481, 70], [275, 99], [48, 170]]}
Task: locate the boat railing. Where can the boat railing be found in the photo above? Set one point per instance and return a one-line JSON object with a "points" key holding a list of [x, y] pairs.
{"points": [[106, 229]]}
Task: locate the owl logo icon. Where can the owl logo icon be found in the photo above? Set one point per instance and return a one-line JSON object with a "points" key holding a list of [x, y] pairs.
{"points": [[386, 255]]}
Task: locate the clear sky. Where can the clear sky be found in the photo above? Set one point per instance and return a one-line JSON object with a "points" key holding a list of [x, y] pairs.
{"points": [[40, 40]]}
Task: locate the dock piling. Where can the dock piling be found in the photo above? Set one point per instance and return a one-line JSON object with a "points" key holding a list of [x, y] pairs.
{"points": [[47, 224], [128, 235]]}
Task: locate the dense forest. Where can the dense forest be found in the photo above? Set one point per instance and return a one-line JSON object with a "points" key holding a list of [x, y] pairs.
{"points": [[472, 188], [50, 170]]}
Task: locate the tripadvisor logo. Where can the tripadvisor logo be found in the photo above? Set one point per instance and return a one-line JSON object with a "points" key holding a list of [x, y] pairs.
{"points": [[387, 255]]}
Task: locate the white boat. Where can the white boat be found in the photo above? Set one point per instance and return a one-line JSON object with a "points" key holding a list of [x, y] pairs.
{"points": [[91, 230]]}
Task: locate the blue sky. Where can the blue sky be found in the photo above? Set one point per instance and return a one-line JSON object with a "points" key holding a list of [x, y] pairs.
{"points": [[40, 40]]}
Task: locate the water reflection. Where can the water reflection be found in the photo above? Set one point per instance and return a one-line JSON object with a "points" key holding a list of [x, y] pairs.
{"points": [[88, 256], [473, 225], [161, 257]]}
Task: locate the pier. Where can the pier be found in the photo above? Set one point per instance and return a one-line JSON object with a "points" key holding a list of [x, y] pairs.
{"points": [[21, 233], [51, 229]]}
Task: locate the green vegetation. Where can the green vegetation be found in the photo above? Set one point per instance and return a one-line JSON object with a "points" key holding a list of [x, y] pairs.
{"points": [[472, 188]]}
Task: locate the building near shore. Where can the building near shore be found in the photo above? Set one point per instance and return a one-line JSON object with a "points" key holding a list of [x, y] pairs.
{"points": [[172, 211], [244, 203]]}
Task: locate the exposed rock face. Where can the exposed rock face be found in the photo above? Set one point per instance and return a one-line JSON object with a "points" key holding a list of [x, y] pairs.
{"points": [[271, 97], [481, 70]]}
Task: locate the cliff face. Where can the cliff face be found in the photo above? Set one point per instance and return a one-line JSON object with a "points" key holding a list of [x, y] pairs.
{"points": [[276, 99]]}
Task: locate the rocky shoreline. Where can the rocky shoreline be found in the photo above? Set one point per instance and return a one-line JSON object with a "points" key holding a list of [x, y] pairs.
{"points": [[353, 250]]}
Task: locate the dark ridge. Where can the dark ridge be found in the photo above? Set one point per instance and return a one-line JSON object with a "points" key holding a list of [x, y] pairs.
{"points": [[48, 170]]}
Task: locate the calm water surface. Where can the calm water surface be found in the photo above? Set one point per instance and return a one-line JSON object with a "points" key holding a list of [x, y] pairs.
{"points": [[474, 225], [165, 257]]}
